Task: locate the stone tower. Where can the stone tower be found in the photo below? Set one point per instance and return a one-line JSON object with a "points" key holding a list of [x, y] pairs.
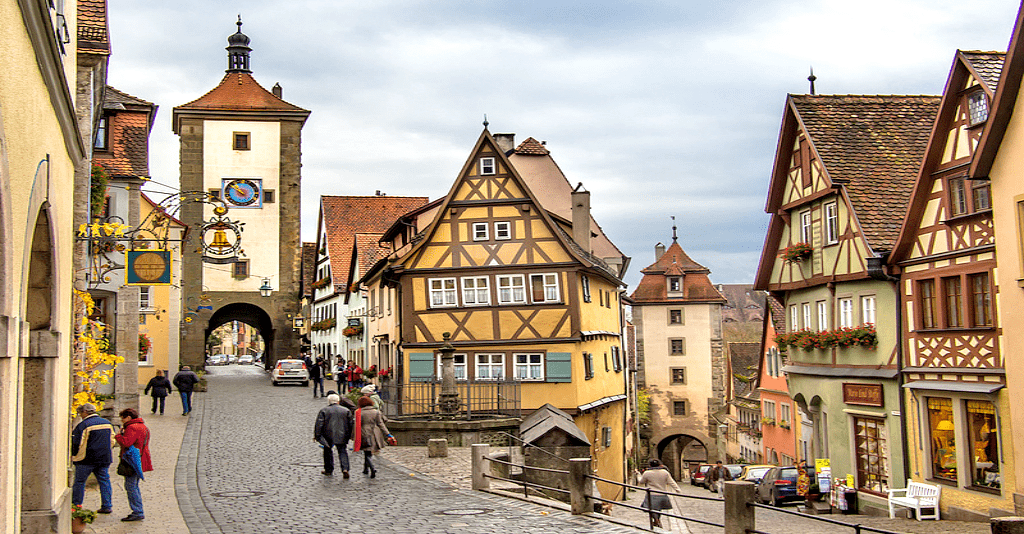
{"points": [[241, 143]]}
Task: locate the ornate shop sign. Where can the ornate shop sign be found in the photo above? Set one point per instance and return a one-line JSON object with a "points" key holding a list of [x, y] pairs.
{"points": [[863, 394]]}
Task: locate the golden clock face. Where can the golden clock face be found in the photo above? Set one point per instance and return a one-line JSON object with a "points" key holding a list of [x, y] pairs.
{"points": [[242, 192]]}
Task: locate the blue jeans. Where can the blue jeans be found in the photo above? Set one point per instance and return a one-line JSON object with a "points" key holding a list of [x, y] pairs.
{"points": [[318, 383], [131, 486], [329, 457], [186, 402], [82, 473]]}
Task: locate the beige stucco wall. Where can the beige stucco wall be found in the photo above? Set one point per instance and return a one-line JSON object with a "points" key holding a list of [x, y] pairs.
{"points": [[262, 161]]}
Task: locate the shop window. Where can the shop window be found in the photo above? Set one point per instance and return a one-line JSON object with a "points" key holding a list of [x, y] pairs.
{"points": [[872, 453], [981, 424], [942, 432]]}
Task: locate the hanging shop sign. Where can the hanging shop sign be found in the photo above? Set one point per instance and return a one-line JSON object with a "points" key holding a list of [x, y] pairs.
{"points": [[221, 240], [863, 394], [148, 267]]}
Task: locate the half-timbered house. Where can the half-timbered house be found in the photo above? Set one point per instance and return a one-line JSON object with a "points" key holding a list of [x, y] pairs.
{"points": [[522, 292], [945, 255], [843, 173]]}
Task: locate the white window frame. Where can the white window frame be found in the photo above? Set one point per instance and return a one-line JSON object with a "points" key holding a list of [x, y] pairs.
{"points": [[769, 406], [675, 284], [846, 312], [831, 223], [462, 368], [806, 308], [449, 296], [794, 318], [822, 315], [786, 413], [525, 371], [480, 231], [145, 299], [488, 166], [552, 289], [805, 227], [502, 230], [476, 291], [868, 305], [495, 361], [585, 284], [511, 288]]}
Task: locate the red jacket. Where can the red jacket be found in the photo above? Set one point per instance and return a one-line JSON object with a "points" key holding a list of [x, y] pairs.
{"points": [[136, 433], [353, 373]]}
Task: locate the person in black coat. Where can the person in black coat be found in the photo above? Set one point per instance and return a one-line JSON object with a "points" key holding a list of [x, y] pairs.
{"points": [[316, 375], [161, 387], [332, 430]]}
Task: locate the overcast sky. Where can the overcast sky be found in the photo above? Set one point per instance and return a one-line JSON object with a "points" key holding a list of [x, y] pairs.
{"points": [[660, 108]]}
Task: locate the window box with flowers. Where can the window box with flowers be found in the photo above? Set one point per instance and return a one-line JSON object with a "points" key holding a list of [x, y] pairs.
{"points": [[796, 252], [862, 336], [321, 283], [144, 346], [767, 421], [386, 374], [784, 424], [352, 330], [326, 324]]}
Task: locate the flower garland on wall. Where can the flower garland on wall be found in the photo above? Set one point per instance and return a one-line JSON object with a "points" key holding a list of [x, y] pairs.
{"points": [[92, 352], [864, 336]]}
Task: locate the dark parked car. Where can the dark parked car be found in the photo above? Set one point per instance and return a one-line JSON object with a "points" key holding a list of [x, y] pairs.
{"points": [[779, 485], [697, 476]]}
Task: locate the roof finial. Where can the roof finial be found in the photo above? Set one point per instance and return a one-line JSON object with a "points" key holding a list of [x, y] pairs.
{"points": [[674, 238], [238, 50], [485, 121], [811, 79]]}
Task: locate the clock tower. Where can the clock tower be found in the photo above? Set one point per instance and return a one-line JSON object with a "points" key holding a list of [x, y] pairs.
{"points": [[241, 144]]}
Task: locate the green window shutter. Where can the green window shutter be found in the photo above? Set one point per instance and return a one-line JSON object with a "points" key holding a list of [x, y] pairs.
{"points": [[421, 366], [559, 367]]}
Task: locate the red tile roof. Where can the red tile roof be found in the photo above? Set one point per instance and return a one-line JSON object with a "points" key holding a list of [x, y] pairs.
{"points": [[308, 268], [239, 91], [697, 287], [874, 144], [344, 217], [93, 32], [369, 251], [532, 147], [128, 125], [988, 65]]}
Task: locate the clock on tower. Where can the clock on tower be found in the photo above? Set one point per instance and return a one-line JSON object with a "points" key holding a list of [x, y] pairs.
{"points": [[242, 192]]}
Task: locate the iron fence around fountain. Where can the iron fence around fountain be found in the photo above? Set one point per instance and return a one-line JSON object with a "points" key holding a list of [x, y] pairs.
{"points": [[477, 399]]}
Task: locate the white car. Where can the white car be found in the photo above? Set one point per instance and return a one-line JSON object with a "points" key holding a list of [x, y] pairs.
{"points": [[293, 371], [245, 359]]}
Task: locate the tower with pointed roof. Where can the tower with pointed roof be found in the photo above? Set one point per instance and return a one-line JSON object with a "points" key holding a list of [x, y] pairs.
{"points": [[241, 143], [680, 356]]}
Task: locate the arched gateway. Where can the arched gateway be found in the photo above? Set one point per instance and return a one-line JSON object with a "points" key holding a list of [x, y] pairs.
{"points": [[679, 451]]}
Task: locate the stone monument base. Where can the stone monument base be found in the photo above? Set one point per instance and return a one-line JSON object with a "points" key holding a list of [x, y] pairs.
{"points": [[459, 433]]}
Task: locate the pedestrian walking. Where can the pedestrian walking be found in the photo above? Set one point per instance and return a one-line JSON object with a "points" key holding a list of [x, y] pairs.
{"points": [[353, 376], [316, 375], [658, 479], [370, 432], [719, 474], [185, 380], [134, 442], [370, 390], [332, 430], [160, 387], [339, 375], [91, 441]]}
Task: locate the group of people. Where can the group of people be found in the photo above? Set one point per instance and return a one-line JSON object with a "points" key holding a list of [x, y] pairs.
{"points": [[348, 376], [91, 448], [361, 422], [185, 381]]}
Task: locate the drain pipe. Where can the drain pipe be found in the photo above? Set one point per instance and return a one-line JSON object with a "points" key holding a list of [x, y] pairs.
{"points": [[876, 270]]}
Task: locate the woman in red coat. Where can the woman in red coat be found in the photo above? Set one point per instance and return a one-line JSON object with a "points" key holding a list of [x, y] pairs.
{"points": [[134, 434]]}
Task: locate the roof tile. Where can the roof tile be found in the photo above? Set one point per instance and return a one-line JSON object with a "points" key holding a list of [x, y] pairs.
{"points": [[239, 91], [988, 64], [532, 147]]}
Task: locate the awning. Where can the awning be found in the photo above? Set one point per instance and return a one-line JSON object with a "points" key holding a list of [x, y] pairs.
{"points": [[839, 372], [960, 387], [600, 402]]}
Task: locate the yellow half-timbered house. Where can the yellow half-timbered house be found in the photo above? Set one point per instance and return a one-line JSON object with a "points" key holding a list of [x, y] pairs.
{"points": [[521, 293]]}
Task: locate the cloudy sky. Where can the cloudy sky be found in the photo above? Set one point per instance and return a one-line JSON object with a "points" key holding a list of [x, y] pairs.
{"points": [[660, 108]]}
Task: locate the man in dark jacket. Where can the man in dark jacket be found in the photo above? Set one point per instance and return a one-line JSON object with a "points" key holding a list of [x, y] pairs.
{"points": [[161, 388], [316, 375], [333, 429], [185, 380], [717, 476], [91, 441]]}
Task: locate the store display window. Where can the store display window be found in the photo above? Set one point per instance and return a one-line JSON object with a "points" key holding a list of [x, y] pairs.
{"points": [[982, 426], [943, 438]]}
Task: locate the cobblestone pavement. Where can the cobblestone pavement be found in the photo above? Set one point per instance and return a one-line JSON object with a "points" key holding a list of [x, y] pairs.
{"points": [[258, 470]]}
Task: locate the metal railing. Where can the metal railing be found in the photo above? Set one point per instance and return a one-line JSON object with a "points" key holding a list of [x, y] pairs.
{"points": [[527, 485], [857, 528], [476, 399]]}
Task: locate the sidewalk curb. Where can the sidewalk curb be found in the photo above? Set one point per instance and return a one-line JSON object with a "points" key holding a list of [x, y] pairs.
{"points": [[190, 502]]}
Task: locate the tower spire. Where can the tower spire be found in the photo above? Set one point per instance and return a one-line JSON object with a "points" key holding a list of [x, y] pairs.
{"points": [[238, 50], [811, 79], [674, 237]]}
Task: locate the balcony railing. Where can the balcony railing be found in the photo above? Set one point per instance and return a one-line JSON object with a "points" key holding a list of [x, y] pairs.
{"points": [[477, 399]]}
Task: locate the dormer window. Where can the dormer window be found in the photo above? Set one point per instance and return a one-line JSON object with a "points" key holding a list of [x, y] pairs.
{"points": [[675, 284], [487, 166], [977, 108]]}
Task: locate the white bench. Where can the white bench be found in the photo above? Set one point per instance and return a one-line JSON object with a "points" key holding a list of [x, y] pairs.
{"points": [[916, 496]]}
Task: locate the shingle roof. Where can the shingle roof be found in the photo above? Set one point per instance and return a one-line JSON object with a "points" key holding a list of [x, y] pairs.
{"points": [[113, 95], [532, 147], [874, 144], [988, 64], [778, 313], [344, 217], [547, 418], [93, 33], [697, 286], [370, 251], [128, 135], [744, 359], [308, 268], [239, 91]]}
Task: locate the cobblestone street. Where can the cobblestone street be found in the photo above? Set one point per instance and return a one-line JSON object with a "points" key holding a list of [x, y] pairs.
{"points": [[248, 464]]}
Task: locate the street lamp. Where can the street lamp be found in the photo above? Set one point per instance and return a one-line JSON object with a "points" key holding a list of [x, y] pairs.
{"points": [[265, 289]]}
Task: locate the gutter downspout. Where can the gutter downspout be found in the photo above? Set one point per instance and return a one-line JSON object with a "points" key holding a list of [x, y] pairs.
{"points": [[876, 270]]}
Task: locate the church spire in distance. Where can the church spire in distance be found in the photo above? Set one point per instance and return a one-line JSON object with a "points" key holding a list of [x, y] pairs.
{"points": [[238, 50]]}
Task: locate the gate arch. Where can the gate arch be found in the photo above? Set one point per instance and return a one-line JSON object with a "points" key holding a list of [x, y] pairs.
{"points": [[677, 451], [253, 316]]}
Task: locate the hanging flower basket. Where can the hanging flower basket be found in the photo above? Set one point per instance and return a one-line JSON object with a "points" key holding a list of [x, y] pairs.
{"points": [[796, 252], [352, 331]]}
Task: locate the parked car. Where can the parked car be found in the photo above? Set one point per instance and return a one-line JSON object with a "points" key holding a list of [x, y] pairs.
{"points": [[779, 485], [217, 359], [290, 371], [245, 359], [232, 358], [697, 476], [755, 472], [734, 470]]}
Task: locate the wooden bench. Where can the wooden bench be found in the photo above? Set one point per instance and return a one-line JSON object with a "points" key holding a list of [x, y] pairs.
{"points": [[916, 496]]}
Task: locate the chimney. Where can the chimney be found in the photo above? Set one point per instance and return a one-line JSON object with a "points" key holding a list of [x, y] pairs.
{"points": [[659, 251], [581, 217], [277, 90], [506, 142]]}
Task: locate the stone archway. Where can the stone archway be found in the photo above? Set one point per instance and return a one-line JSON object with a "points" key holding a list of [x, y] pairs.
{"points": [[679, 451], [253, 316]]}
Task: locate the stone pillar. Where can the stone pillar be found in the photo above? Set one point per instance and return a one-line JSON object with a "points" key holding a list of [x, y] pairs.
{"points": [[437, 448], [739, 515], [481, 466], [449, 398], [579, 486]]}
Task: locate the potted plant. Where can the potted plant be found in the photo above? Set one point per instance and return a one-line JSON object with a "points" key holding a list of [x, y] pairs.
{"points": [[370, 372], [796, 252], [80, 517]]}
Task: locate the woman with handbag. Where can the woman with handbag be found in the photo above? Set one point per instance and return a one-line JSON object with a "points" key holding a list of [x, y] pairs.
{"points": [[370, 432], [658, 479], [134, 442], [161, 388]]}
